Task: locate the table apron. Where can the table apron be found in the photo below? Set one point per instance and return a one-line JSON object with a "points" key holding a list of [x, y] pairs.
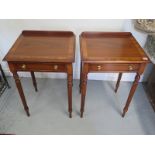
{"points": [[113, 67], [38, 67]]}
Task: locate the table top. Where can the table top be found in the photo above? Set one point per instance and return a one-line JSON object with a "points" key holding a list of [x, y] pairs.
{"points": [[43, 46], [111, 47]]}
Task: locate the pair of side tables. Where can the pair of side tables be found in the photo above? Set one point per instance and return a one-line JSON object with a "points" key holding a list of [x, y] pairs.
{"points": [[54, 51]]}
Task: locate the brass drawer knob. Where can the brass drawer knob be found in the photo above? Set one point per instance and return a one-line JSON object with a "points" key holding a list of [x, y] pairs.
{"points": [[55, 67], [23, 66], [99, 67], [130, 68], [145, 58]]}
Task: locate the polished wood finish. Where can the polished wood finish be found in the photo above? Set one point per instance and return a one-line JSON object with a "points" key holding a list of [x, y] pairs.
{"points": [[99, 47], [132, 91], [69, 85], [21, 93], [80, 77], [39, 67], [42, 51], [118, 82], [116, 52], [34, 81], [83, 88], [116, 67], [43, 46]]}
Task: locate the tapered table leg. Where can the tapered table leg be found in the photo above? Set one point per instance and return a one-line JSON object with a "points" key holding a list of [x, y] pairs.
{"points": [[80, 77], [118, 81], [21, 93], [34, 81], [4, 77], [83, 91], [133, 88], [69, 85]]}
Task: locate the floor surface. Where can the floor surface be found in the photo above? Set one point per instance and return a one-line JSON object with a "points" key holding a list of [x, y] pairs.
{"points": [[48, 109]]}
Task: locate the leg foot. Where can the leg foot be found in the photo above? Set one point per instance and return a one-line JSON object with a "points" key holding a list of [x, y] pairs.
{"points": [[70, 115], [27, 112], [123, 114], [81, 115]]}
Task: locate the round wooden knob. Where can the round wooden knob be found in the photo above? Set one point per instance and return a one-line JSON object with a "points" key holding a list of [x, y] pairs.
{"points": [[99, 67], [55, 67], [23, 66], [130, 68]]}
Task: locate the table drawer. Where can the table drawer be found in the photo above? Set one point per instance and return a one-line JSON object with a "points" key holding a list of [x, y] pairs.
{"points": [[113, 67], [51, 67]]}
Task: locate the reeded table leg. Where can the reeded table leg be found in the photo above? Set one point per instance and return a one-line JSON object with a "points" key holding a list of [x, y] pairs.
{"points": [[21, 93], [34, 81], [83, 92], [83, 86], [80, 77], [69, 84], [118, 81], [133, 88]]}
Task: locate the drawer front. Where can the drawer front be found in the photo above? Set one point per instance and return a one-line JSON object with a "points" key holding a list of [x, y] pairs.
{"points": [[48, 67], [113, 67]]}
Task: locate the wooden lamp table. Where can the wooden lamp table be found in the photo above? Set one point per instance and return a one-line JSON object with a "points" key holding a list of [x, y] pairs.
{"points": [[110, 52], [42, 51]]}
